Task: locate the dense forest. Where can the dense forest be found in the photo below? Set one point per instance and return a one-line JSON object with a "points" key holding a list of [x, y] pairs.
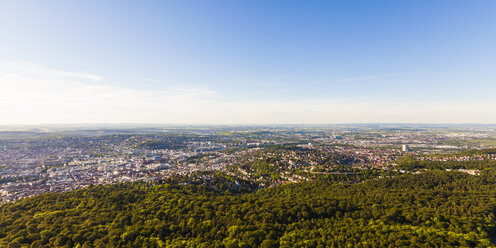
{"points": [[432, 209]]}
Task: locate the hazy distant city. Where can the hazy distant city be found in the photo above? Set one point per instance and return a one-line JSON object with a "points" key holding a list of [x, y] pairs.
{"points": [[38, 161]]}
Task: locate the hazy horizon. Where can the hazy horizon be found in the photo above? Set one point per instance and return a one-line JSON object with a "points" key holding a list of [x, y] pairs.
{"points": [[97, 126]]}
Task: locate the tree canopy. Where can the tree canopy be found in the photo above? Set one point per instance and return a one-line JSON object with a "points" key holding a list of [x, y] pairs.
{"points": [[432, 209]]}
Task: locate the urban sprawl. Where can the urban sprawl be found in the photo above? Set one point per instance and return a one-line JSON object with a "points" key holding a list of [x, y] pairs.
{"points": [[41, 161]]}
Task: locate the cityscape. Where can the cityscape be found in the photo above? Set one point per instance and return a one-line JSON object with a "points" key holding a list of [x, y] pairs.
{"points": [[60, 161], [247, 124]]}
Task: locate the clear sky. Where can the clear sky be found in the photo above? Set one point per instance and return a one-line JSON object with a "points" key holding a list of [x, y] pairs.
{"points": [[247, 62]]}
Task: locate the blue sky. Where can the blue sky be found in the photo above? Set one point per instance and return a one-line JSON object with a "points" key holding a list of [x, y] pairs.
{"points": [[247, 62]]}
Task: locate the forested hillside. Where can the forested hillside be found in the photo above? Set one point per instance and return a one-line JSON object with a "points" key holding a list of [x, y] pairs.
{"points": [[434, 209]]}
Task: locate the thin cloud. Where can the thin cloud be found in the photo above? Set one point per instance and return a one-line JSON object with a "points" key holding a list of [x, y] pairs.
{"points": [[365, 78], [40, 72], [33, 94], [151, 80]]}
